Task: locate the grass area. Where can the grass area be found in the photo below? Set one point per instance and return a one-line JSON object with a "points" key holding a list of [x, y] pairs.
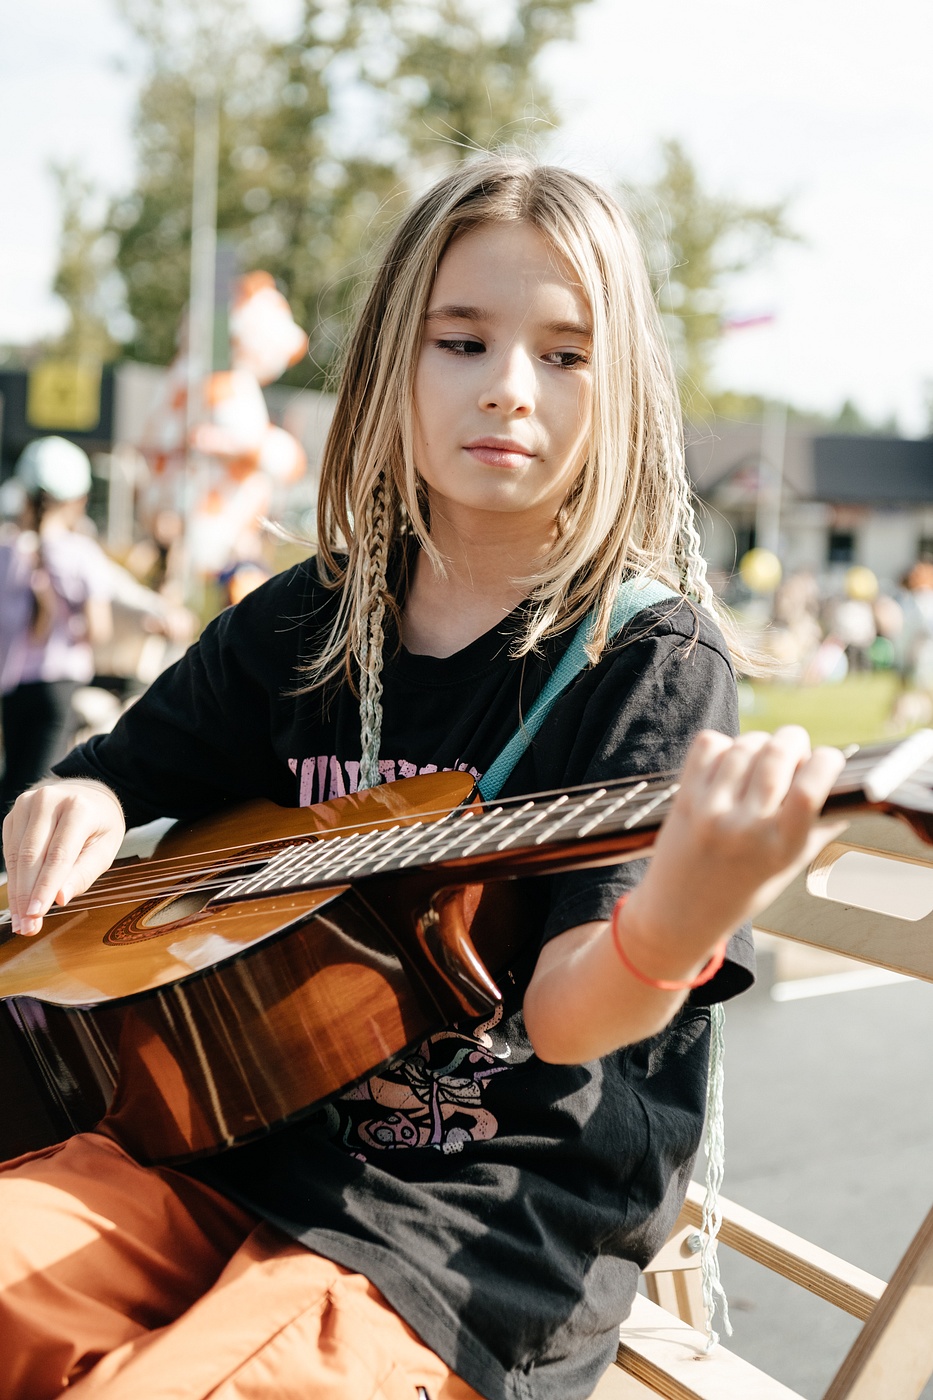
{"points": [[857, 710]]}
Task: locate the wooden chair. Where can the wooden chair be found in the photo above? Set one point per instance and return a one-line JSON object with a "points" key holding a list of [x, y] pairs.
{"points": [[661, 1349]]}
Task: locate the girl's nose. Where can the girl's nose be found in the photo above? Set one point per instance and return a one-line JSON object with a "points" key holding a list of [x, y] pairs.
{"points": [[512, 385]]}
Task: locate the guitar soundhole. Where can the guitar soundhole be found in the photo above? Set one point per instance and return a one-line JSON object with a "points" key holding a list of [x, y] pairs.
{"points": [[180, 906], [160, 916]]}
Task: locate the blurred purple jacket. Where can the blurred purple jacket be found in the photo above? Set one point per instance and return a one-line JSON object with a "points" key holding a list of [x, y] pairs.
{"points": [[79, 570]]}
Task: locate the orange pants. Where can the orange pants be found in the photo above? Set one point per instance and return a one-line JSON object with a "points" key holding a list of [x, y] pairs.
{"points": [[121, 1282]]}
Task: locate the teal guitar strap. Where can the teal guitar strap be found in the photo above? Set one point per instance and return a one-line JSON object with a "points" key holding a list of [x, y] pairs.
{"points": [[632, 598]]}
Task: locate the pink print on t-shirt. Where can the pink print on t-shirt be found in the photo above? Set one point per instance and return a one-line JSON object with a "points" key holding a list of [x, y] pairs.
{"points": [[324, 776]]}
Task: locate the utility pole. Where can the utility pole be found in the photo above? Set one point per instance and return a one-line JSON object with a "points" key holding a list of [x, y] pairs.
{"points": [[201, 295]]}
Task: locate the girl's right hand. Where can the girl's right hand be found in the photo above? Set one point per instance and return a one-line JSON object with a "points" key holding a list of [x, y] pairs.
{"points": [[57, 839]]}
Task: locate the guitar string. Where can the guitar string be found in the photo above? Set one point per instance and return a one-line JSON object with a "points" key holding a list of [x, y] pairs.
{"points": [[132, 888], [158, 876], [325, 879], [169, 867], [334, 879], [190, 865]]}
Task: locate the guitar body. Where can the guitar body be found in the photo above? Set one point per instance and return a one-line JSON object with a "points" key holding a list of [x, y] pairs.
{"points": [[180, 1027]]}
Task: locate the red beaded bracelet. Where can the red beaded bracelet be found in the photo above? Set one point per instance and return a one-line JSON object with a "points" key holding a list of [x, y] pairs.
{"points": [[706, 973]]}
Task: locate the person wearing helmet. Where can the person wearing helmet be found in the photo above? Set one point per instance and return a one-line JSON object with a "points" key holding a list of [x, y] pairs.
{"points": [[54, 607]]}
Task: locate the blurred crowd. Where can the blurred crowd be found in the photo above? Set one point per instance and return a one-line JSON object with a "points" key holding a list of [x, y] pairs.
{"points": [[820, 629]]}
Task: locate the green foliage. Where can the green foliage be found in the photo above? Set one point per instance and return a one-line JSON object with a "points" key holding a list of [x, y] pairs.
{"points": [[414, 83], [460, 74], [696, 243]]}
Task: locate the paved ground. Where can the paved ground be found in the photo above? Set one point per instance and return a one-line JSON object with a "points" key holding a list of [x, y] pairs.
{"points": [[829, 1130]]}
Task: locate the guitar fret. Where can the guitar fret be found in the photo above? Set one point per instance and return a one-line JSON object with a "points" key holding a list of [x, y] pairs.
{"points": [[323, 859], [539, 814], [268, 877], [650, 806], [326, 853], [610, 809], [479, 831], [486, 836], [549, 831], [434, 838], [579, 811], [395, 840], [391, 848], [343, 869], [451, 835]]}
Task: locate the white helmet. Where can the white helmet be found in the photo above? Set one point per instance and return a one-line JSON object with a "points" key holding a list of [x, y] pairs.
{"points": [[56, 466]]}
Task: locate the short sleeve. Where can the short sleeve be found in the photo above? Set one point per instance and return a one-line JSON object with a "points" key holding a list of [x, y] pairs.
{"points": [[657, 691]]}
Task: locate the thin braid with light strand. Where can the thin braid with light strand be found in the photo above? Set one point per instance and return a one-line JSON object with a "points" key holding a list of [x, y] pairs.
{"points": [[372, 634], [714, 1295]]}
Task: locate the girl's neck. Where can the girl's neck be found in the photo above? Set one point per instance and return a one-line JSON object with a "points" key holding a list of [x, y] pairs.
{"points": [[444, 614]]}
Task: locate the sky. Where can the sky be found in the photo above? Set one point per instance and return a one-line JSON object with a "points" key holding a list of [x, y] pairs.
{"points": [[825, 103]]}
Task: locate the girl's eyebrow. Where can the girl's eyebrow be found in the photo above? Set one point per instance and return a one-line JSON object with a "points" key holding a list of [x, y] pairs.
{"points": [[456, 312]]}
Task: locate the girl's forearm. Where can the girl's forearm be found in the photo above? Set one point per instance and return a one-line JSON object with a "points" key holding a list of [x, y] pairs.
{"points": [[582, 1002]]}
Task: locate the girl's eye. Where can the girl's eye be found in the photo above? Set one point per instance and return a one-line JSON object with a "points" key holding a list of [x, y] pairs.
{"points": [[567, 359], [461, 346]]}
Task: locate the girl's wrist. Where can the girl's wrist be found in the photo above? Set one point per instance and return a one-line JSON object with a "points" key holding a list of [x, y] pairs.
{"points": [[650, 962]]}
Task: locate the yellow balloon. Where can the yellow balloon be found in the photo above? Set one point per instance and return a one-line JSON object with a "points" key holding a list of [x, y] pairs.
{"points": [[861, 584], [760, 570]]}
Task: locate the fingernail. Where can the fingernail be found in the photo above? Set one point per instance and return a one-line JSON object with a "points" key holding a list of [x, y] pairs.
{"points": [[33, 908]]}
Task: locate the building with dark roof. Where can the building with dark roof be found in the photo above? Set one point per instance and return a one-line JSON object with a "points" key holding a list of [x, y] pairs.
{"points": [[823, 500]]}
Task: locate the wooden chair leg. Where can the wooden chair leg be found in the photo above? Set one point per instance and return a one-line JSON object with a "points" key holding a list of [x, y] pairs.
{"points": [[673, 1278], [680, 1293], [892, 1356]]}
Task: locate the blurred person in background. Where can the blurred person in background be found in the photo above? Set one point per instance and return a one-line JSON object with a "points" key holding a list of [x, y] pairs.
{"points": [[917, 603], [55, 592]]}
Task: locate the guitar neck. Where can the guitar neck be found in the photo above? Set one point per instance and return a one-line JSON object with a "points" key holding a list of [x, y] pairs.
{"points": [[543, 834]]}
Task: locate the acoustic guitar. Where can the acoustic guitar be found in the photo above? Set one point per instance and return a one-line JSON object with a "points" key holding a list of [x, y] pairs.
{"points": [[264, 959]]}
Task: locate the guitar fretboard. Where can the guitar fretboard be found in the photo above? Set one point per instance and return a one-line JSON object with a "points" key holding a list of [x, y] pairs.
{"points": [[547, 820], [537, 822]]}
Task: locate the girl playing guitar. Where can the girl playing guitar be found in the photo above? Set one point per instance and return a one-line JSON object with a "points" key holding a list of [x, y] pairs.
{"points": [[469, 1221]]}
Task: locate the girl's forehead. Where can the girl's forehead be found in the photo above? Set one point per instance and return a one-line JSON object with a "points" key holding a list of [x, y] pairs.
{"points": [[505, 259]]}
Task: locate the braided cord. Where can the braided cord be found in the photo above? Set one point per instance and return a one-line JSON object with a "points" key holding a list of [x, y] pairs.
{"points": [[714, 1295], [372, 634]]}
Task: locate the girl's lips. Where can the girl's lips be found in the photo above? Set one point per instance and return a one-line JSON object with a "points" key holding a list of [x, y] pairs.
{"points": [[499, 456]]}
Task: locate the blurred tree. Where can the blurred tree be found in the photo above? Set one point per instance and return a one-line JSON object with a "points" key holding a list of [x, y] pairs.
{"points": [[85, 278], [696, 243], [317, 134], [461, 73]]}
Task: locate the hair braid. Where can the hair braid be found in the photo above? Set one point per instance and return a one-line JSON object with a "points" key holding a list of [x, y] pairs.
{"points": [[688, 553], [372, 636]]}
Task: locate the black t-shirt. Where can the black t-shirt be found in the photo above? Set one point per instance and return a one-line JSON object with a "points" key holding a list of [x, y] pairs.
{"points": [[503, 1205]]}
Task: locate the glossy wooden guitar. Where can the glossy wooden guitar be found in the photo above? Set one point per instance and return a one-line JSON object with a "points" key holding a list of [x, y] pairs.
{"points": [[264, 959]]}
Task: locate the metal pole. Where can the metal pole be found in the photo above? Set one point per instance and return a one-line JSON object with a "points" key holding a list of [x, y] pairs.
{"points": [[201, 297], [771, 478]]}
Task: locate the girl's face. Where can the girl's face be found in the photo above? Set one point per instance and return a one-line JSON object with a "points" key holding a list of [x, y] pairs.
{"points": [[503, 384]]}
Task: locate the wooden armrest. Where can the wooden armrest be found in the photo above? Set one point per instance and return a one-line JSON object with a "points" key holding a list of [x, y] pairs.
{"points": [[851, 1289], [667, 1357]]}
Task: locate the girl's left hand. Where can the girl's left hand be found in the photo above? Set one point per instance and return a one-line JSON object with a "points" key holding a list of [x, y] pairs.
{"points": [[741, 827]]}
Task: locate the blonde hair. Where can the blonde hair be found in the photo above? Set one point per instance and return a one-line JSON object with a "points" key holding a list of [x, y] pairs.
{"points": [[628, 512]]}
